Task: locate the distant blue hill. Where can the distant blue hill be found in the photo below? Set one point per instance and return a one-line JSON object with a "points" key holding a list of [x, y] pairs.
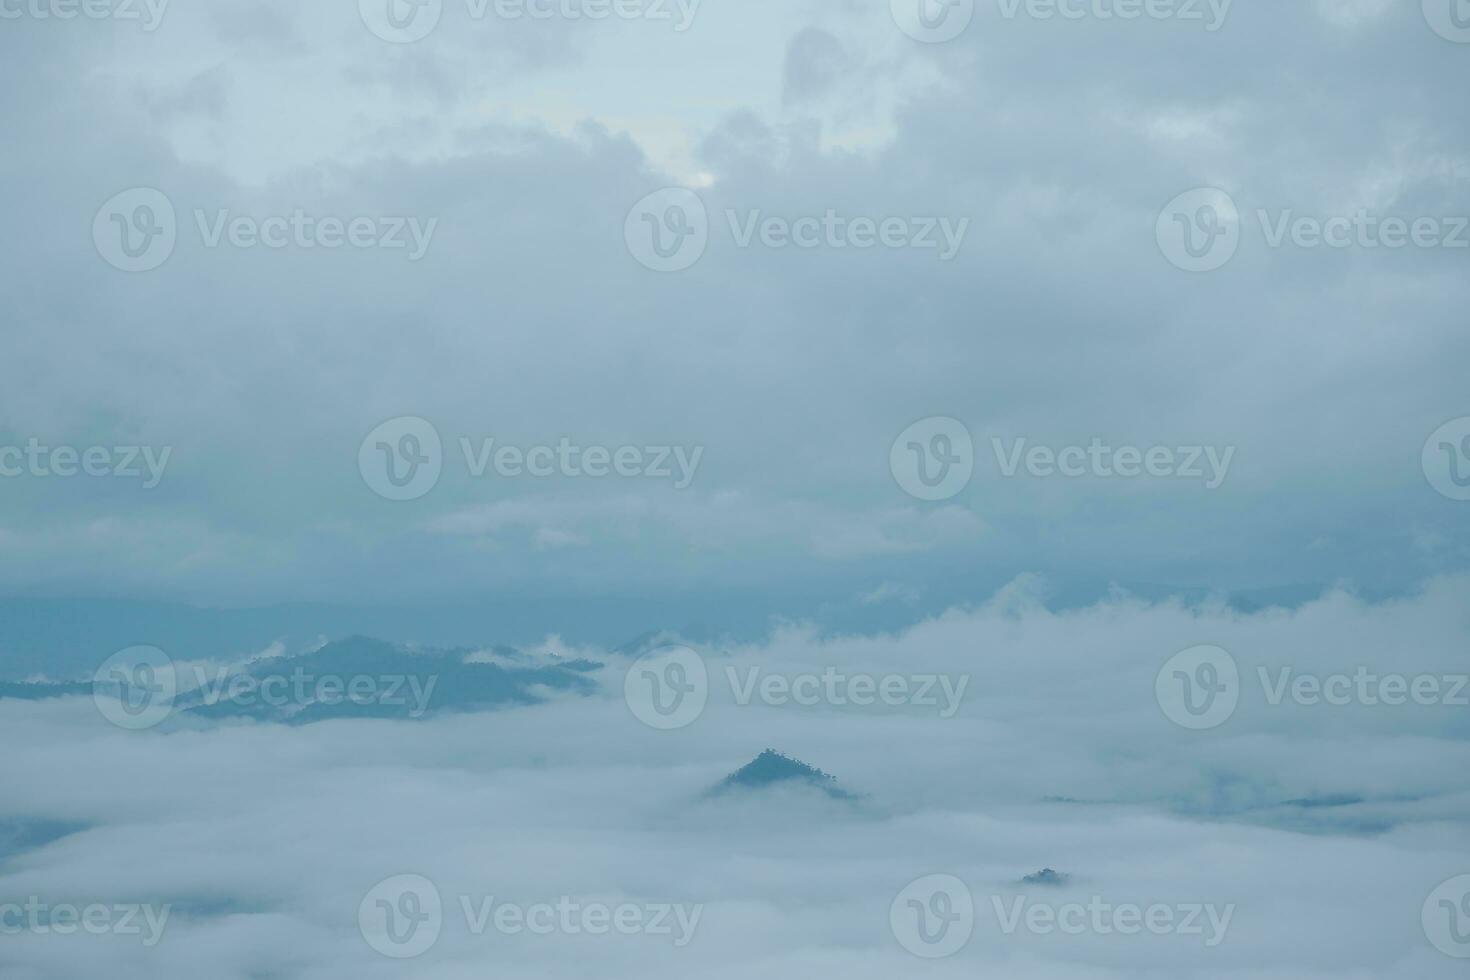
{"points": [[18, 836], [655, 640], [41, 692], [66, 638], [393, 682], [407, 684], [771, 768]]}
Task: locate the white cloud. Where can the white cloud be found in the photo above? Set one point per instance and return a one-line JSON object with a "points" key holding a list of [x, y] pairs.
{"points": [[266, 838]]}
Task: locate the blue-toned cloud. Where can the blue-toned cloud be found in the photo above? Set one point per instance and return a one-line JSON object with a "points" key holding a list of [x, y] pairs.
{"points": [[265, 839], [1058, 321]]}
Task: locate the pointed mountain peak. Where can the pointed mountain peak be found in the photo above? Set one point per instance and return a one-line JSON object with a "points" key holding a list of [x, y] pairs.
{"points": [[772, 768]]}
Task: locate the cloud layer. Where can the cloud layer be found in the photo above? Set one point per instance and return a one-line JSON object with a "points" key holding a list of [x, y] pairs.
{"points": [[265, 839]]}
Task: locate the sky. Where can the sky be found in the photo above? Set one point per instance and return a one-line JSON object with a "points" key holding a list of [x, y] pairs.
{"points": [[521, 149], [1046, 417]]}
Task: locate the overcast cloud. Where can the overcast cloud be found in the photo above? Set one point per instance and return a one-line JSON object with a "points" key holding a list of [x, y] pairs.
{"points": [[1048, 417], [526, 320]]}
